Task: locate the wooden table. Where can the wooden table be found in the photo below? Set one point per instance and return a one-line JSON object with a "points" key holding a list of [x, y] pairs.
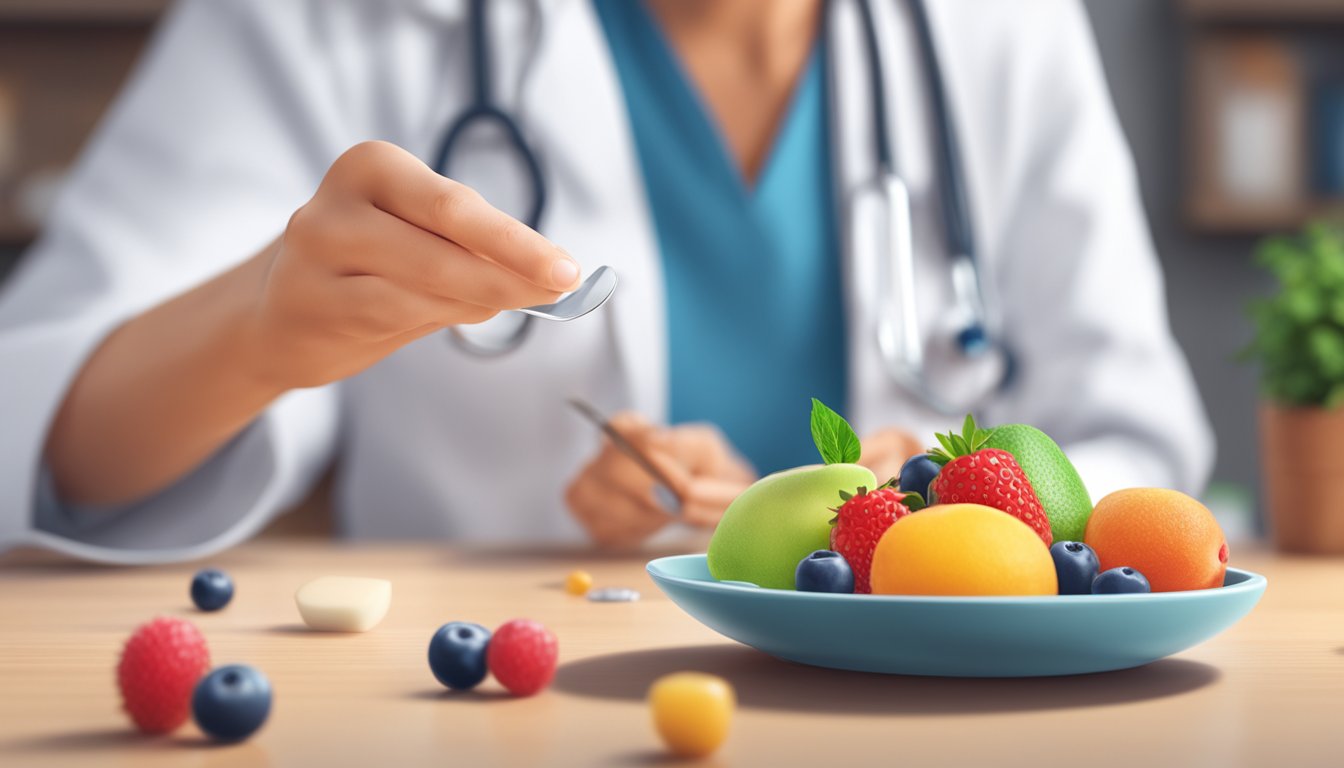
{"points": [[1270, 692]]}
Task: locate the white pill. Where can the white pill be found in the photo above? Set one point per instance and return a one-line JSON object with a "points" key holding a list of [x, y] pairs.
{"points": [[344, 603], [613, 595]]}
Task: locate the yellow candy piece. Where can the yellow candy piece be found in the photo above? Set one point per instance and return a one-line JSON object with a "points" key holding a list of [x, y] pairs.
{"points": [[578, 583], [692, 711]]}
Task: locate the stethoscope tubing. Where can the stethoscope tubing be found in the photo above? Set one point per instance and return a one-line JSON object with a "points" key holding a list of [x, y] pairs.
{"points": [[482, 111], [898, 333], [898, 336]]}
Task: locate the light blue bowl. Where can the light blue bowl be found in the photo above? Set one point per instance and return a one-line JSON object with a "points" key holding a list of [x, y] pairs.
{"points": [[958, 636]]}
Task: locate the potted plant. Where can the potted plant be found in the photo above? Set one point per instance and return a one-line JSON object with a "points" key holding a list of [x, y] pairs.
{"points": [[1299, 343]]}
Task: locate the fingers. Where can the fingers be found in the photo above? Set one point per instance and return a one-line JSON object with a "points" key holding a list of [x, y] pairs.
{"points": [[422, 261], [707, 498], [613, 496], [885, 450], [704, 470], [399, 183], [625, 476], [379, 309], [614, 511], [702, 449]]}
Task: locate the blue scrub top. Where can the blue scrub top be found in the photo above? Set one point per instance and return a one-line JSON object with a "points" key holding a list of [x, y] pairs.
{"points": [[755, 311]]}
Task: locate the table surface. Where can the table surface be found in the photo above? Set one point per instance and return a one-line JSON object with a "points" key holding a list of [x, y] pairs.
{"points": [[1269, 691]]}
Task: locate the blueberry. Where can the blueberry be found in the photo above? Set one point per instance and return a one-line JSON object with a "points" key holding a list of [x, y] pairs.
{"points": [[231, 702], [824, 571], [457, 654], [1075, 567], [916, 474], [211, 589], [1119, 581]]}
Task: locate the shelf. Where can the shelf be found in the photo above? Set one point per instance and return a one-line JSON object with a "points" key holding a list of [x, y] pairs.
{"points": [[81, 11], [1218, 217], [1264, 11]]}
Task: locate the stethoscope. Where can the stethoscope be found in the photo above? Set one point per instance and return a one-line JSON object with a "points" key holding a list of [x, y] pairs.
{"points": [[899, 340]]}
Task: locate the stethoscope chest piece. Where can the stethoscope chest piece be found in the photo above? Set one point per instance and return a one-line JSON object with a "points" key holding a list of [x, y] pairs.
{"points": [[964, 360]]}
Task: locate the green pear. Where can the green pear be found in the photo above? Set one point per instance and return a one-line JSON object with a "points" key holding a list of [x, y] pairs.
{"points": [[779, 520]]}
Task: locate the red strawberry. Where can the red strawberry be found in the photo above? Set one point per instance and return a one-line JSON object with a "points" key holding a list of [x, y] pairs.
{"points": [[522, 655], [860, 522], [158, 670], [971, 474]]}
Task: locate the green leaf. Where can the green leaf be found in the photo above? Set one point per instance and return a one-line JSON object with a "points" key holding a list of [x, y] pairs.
{"points": [[914, 501], [835, 439], [1327, 350], [946, 443], [954, 445], [962, 448], [1298, 338]]}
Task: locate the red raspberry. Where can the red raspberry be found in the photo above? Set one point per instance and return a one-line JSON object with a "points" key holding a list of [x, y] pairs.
{"points": [[158, 670], [522, 656]]}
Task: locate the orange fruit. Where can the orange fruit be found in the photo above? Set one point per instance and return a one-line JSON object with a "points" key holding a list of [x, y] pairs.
{"points": [[1167, 536], [962, 549]]}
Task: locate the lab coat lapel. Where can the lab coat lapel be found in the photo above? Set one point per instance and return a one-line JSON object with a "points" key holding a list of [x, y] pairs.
{"points": [[572, 102]]}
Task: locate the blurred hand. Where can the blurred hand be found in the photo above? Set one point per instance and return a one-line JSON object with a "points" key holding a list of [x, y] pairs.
{"points": [[613, 497], [385, 252], [885, 450]]}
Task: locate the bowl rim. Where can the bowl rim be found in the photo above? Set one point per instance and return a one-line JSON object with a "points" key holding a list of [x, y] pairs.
{"points": [[1251, 583]]}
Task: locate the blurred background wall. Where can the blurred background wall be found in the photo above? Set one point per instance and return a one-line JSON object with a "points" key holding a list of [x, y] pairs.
{"points": [[1204, 89]]}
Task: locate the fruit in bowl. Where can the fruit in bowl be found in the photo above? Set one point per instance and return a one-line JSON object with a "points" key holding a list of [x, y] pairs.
{"points": [[1008, 571], [962, 549], [862, 520], [1057, 483], [998, 499], [1169, 537], [972, 473], [779, 520], [782, 517]]}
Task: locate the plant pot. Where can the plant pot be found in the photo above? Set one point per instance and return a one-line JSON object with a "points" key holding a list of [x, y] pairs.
{"points": [[1302, 452]]}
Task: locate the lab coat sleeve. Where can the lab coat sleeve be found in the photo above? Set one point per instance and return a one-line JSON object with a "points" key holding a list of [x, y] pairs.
{"points": [[1078, 281], [224, 129]]}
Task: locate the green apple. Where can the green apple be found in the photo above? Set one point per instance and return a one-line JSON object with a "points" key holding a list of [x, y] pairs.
{"points": [[779, 520]]}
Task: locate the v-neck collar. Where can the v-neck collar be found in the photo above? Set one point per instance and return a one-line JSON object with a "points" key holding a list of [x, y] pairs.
{"points": [[702, 118]]}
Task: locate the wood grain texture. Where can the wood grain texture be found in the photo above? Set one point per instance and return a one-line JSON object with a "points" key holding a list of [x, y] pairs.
{"points": [[1267, 692]]}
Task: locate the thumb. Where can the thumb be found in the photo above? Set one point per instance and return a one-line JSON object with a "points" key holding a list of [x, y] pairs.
{"points": [[706, 498]]}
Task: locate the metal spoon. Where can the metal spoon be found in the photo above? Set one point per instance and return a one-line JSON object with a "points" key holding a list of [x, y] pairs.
{"points": [[591, 294]]}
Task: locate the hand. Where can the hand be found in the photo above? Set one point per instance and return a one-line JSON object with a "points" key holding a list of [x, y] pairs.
{"points": [[885, 450], [613, 497], [388, 251]]}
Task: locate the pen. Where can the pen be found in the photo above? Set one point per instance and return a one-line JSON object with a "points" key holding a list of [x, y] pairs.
{"points": [[662, 488]]}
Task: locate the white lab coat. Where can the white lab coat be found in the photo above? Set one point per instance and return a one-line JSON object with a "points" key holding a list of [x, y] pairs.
{"points": [[239, 106]]}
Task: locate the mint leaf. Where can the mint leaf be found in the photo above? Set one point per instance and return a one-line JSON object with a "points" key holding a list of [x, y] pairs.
{"points": [[835, 439]]}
